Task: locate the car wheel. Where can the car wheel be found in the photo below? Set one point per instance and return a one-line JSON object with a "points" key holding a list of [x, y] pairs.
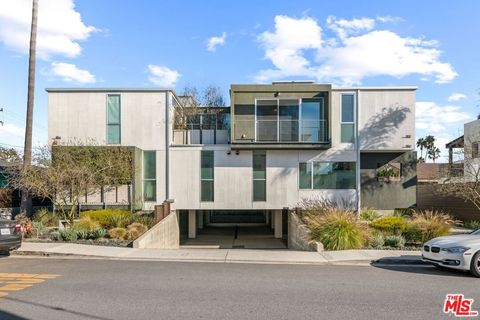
{"points": [[475, 265]]}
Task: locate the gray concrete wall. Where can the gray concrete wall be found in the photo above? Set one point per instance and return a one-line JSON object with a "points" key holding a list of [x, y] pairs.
{"points": [[164, 235], [299, 235], [388, 195]]}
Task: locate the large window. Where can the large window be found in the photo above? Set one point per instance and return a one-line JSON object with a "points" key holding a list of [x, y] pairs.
{"points": [[113, 119], [267, 120], [207, 176], [290, 120], [149, 176], [314, 121], [348, 122], [327, 175], [259, 175]]}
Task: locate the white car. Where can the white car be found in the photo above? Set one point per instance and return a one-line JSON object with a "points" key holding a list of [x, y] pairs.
{"points": [[457, 252]]}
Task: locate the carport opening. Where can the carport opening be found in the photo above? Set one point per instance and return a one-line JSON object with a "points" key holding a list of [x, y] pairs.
{"points": [[233, 229]]}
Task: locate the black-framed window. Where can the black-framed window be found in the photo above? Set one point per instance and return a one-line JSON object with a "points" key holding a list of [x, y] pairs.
{"points": [[207, 175], [259, 175], [327, 175]]}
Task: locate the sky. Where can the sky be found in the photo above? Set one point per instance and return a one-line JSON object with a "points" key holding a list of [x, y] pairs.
{"points": [[430, 44]]}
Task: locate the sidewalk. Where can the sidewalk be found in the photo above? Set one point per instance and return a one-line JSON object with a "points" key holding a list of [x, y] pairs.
{"points": [[220, 255]]}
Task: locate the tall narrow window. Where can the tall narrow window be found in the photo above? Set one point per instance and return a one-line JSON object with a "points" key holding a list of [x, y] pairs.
{"points": [[348, 124], [314, 122], [207, 176], [149, 176], [267, 120], [305, 175], [113, 119], [259, 175]]}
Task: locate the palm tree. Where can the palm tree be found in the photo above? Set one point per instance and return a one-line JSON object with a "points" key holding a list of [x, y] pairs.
{"points": [[421, 144], [26, 203], [434, 153]]}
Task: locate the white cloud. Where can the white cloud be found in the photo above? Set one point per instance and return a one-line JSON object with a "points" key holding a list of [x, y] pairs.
{"points": [[11, 131], [345, 27], [456, 97], [163, 76], [70, 73], [389, 19], [432, 117], [356, 52], [213, 42], [60, 27]]}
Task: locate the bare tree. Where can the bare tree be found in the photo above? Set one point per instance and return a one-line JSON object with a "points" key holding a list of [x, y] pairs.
{"points": [[65, 174], [463, 181], [26, 201]]}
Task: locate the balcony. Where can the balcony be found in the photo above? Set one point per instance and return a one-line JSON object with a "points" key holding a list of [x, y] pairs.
{"points": [[281, 124], [202, 126]]}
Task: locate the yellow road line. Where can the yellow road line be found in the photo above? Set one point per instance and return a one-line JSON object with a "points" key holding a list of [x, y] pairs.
{"points": [[20, 281]]}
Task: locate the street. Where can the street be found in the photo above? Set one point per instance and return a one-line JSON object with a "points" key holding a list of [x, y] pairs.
{"points": [[110, 289]]}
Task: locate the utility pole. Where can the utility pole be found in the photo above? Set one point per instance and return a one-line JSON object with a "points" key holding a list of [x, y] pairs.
{"points": [[26, 203]]}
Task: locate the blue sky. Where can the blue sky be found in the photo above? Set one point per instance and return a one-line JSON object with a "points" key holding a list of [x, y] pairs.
{"points": [[86, 43]]}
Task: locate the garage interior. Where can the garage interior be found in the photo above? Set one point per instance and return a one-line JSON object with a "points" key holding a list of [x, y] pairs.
{"points": [[234, 229]]}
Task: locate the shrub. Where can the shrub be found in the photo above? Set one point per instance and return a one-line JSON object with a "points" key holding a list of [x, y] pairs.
{"points": [[98, 233], [46, 217], [368, 214], [86, 224], [109, 218], [431, 224], [117, 233], [321, 205], [38, 229], [55, 235], [413, 233], [403, 212], [377, 241], [135, 230], [395, 241], [337, 230], [145, 219], [390, 224], [472, 224], [68, 235]]}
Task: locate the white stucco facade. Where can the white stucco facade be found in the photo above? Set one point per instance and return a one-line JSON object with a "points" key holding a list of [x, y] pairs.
{"points": [[386, 123]]}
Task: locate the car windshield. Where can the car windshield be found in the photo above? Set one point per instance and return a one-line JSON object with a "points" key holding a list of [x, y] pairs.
{"points": [[477, 233]]}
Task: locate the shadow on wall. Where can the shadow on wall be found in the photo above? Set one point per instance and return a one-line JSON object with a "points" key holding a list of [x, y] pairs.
{"points": [[381, 127]]}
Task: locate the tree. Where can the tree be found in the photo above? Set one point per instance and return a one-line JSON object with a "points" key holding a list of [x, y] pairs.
{"points": [[26, 201], [433, 153], [421, 144], [65, 174]]}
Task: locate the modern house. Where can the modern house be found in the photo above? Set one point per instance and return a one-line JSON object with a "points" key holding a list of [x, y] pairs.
{"points": [[251, 163]]}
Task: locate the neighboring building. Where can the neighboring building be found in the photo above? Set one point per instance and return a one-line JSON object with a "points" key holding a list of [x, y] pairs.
{"points": [[276, 145]]}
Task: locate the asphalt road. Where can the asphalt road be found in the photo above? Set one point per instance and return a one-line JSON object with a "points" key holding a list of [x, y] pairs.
{"points": [[106, 289]]}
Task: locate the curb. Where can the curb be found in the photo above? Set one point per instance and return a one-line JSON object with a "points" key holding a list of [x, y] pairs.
{"points": [[363, 262]]}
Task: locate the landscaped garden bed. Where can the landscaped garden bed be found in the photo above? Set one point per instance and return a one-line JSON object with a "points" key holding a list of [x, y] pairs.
{"points": [[342, 229], [109, 227]]}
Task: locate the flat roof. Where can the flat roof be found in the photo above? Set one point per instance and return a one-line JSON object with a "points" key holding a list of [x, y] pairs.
{"points": [[108, 89], [377, 88]]}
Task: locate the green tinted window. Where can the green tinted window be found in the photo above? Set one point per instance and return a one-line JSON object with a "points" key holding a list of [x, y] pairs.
{"points": [[149, 176], [149, 170], [347, 133], [327, 175], [113, 119], [305, 175], [207, 176], [259, 175]]}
